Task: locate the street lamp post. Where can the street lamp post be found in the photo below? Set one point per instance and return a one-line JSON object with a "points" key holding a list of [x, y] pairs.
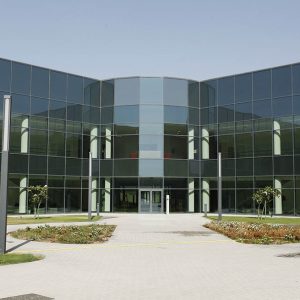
{"points": [[4, 171], [219, 186], [90, 187]]}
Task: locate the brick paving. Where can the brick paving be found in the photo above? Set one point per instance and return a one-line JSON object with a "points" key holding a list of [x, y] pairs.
{"points": [[155, 257]]}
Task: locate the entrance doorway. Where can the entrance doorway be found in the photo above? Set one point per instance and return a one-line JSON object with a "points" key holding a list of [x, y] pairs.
{"points": [[151, 201]]}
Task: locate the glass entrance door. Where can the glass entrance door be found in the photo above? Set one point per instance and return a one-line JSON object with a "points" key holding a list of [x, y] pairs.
{"points": [[150, 201]]}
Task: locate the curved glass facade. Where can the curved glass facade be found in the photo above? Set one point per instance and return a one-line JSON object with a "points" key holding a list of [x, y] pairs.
{"points": [[150, 137]]}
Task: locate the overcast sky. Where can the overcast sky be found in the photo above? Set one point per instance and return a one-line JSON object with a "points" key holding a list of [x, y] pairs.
{"points": [[193, 39]]}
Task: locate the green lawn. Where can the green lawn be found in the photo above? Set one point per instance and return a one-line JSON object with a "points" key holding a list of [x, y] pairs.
{"points": [[50, 219], [14, 258], [268, 220]]}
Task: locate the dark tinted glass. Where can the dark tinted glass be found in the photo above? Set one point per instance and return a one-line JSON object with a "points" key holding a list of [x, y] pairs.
{"points": [[74, 145], [18, 163], [127, 91], [106, 115], [56, 166], [208, 168], [208, 115], [126, 114], [73, 166], [176, 168], [296, 79], [283, 165], [243, 88], [126, 146], [282, 107], [281, 81], [125, 167], [91, 114], [38, 141], [262, 84], [208, 93], [75, 89], [57, 109], [175, 92], [243, 111], [74, 112], [151, 167], [226, 146], [175, 114], [20, 78], [244, 167], [38, 164], [20, 104], [263, 143], [58, 85], [175, 146], [56, 143], [263, 166], [193, 90], [40, 82], [226, 90], [228, 167], [5, 75], [262, 109], [91, 92], [226, 113], [296, 105], [107, 93], [39, 107], [194, 116]]}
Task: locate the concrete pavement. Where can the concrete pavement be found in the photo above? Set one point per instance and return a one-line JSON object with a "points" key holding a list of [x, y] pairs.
{"points": [[155, 257]]}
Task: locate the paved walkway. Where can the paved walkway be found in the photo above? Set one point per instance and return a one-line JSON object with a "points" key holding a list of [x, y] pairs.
{"points": [[155, 257]]}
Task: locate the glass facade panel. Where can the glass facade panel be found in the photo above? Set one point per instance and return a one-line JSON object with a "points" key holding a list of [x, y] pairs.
{"points": [[126, 91], [262, 84], [5, 75], [243, 88], [175, 92], [226, 90], [281, 81], [151, 91]]}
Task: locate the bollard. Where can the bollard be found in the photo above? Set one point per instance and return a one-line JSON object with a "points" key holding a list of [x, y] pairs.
{"points": [[205, 210], [167, 204], [98, 208]]}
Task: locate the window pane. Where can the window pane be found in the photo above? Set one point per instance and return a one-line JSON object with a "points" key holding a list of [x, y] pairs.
{"points": [[262, 109], [193, 94], [91, 92], [151, 90], [106, 115], [175, 114], [243, 111], [262, 84], [5, 75], [176, 168], [39, 107], [151, 114], [121, 129], [175, 146], [283, 165], [226, 145], [75, 89], [282, 107], [126, 91], [73, 166], [175, 92], [263, 143], [296, 79], [151, 146], [126, 114], [107, 93], [74, 145], [151, 167], [263, 166], [56, 166], [243, 88], [226, 113], [125, 167], [57, 109], [74, 112], [18, 163], [208, 93], [20, 78], [281, 81], [58, 85], [56, 143], [126, 146], [40, 82], [244, 167], [20, 104], [226, 91], [38, 164]]}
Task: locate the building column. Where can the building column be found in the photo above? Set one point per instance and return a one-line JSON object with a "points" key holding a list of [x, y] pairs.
{"points": [[205, 195], [191, 207], [276, 138], [94, 141], [205, 143], [191, 143], [107, 195], [94, 194], [24, 135], [107, 142], [23, 195], [278, 199]]}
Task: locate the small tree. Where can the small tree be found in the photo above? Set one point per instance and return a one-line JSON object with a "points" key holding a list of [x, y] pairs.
{"points": [[38, 194], [263, 197]]}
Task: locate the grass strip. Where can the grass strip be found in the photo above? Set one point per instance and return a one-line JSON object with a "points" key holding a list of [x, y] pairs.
{"points": [[50, 219], [14, 258]]}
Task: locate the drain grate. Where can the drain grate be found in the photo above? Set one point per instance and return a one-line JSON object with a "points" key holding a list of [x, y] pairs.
{"points": [[27, 297]]}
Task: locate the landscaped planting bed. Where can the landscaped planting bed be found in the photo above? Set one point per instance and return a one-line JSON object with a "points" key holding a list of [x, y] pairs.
{"points": [[255, 233], [16, 258], [87, 234]]}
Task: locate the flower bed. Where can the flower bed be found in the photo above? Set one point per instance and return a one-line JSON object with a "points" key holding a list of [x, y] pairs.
{"points": [[87, 234], [254, 233]]}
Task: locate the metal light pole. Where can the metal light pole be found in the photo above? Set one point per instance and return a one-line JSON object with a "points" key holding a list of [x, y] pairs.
{"points": [[219, 186], [90, 187], [4, 171]]}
